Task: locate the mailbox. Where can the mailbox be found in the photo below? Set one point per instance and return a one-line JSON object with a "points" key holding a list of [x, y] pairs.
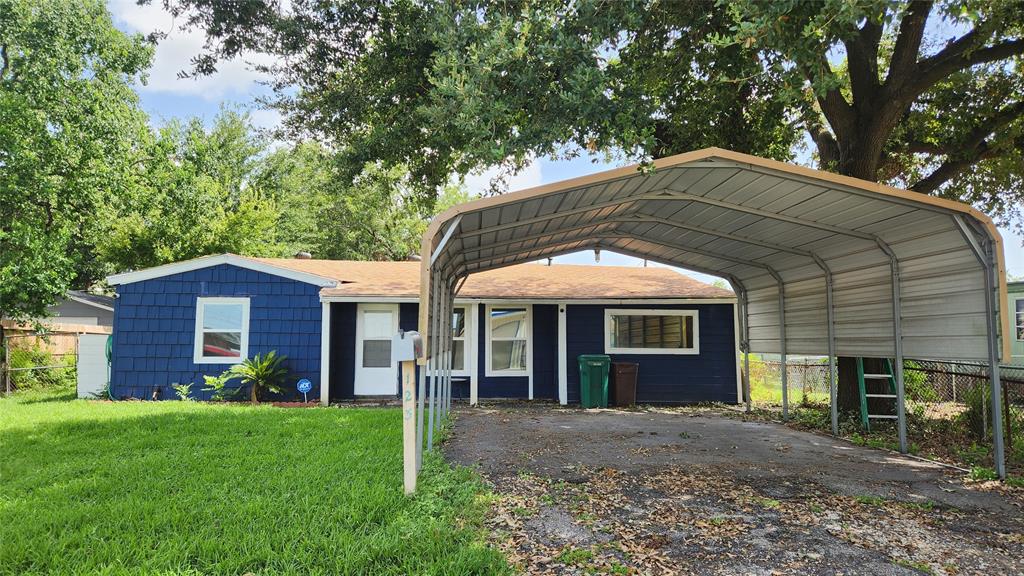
{"points": [[406, 346]]}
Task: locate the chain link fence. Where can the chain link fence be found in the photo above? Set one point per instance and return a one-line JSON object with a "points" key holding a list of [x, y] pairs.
{"points": [[33, 361], [949, 406]]}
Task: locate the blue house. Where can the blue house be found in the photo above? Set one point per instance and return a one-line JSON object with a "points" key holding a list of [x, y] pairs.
{"points": [[518, 330]]}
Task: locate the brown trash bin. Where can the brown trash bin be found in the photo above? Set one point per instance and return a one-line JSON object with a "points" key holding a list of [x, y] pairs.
{"points": [[624, 375]]}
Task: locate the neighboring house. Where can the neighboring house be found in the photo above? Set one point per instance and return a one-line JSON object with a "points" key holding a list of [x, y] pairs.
{"points": [[83, 309], [1016, 311], [334, 321]]}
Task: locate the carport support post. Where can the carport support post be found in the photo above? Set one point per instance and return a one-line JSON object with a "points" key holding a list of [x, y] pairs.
{"points": [[451, 342], [991, 309], [782, 347], [432, 358], [830, 319], [897, 334]]}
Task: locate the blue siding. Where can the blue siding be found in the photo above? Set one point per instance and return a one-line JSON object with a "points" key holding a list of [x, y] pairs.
{"points": [[709, 376], [706, 377], [343, 350], [545, 351], [496, 386], [154, 325]]}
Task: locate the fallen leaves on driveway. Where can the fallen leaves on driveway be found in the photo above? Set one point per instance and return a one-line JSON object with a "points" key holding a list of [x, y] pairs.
{"points": [[698, 521]]}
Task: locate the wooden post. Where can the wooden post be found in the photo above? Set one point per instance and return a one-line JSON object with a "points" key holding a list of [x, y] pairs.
{"points": [[409, 424]]}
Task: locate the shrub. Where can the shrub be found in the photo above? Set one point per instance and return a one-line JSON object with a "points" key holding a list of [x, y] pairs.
{"points": [[218, 387], [915, 384], [183, 391], [63, 376], [261, 372]]}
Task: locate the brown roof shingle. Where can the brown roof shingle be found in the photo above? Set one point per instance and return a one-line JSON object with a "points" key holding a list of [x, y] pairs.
{"points": [[523, 281]]}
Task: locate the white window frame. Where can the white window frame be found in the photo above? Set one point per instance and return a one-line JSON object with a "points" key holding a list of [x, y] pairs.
{"points": [[1016, 318], [488, 371], [609, 312], [197, 350], [468, 340]]}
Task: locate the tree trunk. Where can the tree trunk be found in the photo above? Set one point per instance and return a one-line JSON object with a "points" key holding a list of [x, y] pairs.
{"points": [[252, 394], [849, 394]]}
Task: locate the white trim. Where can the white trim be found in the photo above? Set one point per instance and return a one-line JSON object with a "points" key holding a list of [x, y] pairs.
{"points": [[563, 361], [216, 260], [609, 312], [325, 353], [1014, 321], [473, 357], [529, 343], [468, 300], [87, 303], [739, 354], [360, 310], [466, 343], [197, 334]]}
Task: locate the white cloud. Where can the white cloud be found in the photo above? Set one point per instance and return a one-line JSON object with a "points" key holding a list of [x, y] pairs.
{"points": [[265, 118], [175, 52], [529, 177]]}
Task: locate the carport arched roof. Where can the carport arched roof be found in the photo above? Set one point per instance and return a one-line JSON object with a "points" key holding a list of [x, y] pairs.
{"points": [[800, 247]]}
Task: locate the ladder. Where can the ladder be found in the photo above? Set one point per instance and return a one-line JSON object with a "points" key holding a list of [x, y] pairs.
{"points": [[865, 417]]}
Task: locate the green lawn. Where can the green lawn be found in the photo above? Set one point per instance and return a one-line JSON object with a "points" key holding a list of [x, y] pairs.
{"points": [[190, 488]]}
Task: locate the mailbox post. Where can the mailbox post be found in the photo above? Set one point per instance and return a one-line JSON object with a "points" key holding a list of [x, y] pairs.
{"points": [[406, 347]]}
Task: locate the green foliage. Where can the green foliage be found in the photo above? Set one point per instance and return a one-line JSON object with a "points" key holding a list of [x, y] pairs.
{"points": [[218, 387], [70, 128], [982, 473], [915, 383], [195, 198], [183, 391], [54, 372], [262, 372], [231, 488], [919, 94]]}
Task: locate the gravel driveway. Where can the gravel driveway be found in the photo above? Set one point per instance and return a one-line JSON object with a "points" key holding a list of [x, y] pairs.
{"points": [[693, 491]]}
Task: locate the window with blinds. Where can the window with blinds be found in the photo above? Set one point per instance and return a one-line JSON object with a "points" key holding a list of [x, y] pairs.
{"points": [[651, 331]]}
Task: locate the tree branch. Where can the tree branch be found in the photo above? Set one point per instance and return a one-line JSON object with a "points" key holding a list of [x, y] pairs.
{"points": [[837, 111], [937, 67], [952, 168], [862, 61], [908, 42], [973, 139], [6, 61]]}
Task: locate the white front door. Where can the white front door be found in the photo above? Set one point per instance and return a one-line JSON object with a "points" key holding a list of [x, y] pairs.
{"points": [[375, 375]]}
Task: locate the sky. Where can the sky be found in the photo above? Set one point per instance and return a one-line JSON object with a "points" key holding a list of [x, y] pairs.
{"points": [[165, 96]]}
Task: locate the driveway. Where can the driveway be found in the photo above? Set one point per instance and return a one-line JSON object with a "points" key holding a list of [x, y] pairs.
{"points": [[693, 491]]}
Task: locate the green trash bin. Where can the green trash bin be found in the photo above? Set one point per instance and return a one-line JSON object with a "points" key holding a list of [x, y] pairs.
{"points": [[594, 380]]}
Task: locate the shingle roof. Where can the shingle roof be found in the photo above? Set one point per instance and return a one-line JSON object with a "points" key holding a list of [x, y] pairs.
{"points": [[523, 281], [100, 300]]}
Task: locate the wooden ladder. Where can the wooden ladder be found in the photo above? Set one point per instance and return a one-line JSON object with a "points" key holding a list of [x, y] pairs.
{"points": [[865, 417]]}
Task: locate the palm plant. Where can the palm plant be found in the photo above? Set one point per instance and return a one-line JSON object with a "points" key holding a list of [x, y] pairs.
{"points": [[261, 372]]}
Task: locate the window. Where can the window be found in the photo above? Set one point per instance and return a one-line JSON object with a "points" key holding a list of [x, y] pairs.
{"points": [[458, 339], [651, 332], [222, 330], [508, 342], [1020, 319], [377, 332]]}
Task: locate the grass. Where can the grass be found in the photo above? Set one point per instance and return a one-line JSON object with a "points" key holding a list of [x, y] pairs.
{"points": [[194, 488]]}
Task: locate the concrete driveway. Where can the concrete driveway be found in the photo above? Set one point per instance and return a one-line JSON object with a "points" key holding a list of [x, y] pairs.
{"points": [[681, 491]]}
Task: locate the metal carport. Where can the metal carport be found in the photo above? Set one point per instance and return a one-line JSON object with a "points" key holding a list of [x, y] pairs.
{"points": [[821, 264]]}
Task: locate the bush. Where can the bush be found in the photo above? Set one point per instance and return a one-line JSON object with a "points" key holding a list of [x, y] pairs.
{"points": [[64, 376], [915, 384]]}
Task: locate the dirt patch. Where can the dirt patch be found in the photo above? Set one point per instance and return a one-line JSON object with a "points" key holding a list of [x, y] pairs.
{"points": [[642, 492]]}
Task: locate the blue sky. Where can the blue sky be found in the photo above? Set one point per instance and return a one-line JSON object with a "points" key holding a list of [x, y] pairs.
{"points": [[166, 96]]}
